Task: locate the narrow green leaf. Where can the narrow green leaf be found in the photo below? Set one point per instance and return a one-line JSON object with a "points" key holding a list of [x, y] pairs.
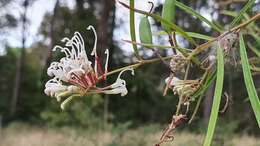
{"points": [[229, 13], [210, 78], [168, 13], [149, 46], [145, 32], [197, 15], [199, 36], [242, 11], [184, 51], [217, 98], [132, 28], [256, 51], [196, 108], [251, 90], [167, 23], [245, 16], [191, 34], [257, 39], [173, 27]]}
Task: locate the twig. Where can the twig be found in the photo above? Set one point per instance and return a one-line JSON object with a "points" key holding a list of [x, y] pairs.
{"points": [[226, 104], [176, 121], [194, 60], [171, 41], [148, 46], [136, 65]]}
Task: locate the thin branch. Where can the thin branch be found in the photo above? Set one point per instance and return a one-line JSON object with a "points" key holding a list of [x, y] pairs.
{"points": [[136, 65], [204, 46]]}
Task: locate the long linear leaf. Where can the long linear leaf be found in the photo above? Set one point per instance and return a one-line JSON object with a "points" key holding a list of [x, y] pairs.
{"points": [[159, 18], [242, 11], [245, 16], [184, 51], [196, 108], [229, 13], [256, 51], [191, 34], [217, 98], [196, 14], [132, 28], [257, 39], [251, 90], [199, 36], [149, 46], [210, 78]]}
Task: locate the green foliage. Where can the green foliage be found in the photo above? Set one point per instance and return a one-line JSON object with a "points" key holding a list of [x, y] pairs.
{"points": [[168, 13], [217, 98], [248, 5], [257, 52], [172, 26], [196, 14], [252, 93], [132, 27], [191, 34], [31, 99], [6, 80], [145, 31], [254, 49], [199, 36], [83, 113]]}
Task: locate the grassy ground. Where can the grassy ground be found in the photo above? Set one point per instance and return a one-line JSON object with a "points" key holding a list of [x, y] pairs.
{"points": [[24, 135]]}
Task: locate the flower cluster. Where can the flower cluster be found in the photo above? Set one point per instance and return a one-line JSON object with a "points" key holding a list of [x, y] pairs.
{"points": [[178, 63], [228, 42], [74, 75], [183, 88]]}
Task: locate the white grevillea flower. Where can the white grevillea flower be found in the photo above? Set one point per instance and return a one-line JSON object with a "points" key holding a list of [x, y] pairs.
{"points": [[183, 88], [119, 87], [77, 72], [75, 67]]}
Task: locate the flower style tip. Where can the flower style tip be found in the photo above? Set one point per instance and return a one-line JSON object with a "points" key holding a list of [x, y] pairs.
{"points": [[127, 69], [106, 65], [94, 51]]}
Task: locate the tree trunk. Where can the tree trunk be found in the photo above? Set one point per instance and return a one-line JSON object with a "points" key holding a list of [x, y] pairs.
{"points": [[105, 34], [208, 103], [19, 65], [52, 35]]}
